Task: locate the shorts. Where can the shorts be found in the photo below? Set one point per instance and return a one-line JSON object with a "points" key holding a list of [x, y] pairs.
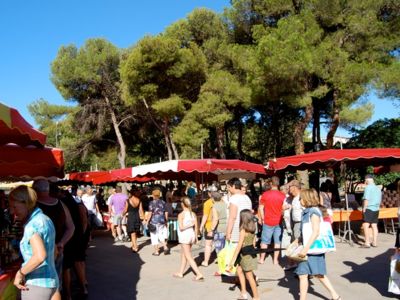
{"points": [[206, 237], [35, 292], [371, 216], [296, 230], [271, 231], [117, 220], [160, 235]]}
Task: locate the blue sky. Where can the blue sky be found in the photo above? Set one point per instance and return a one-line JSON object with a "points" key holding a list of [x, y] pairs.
{"points": [[32, 32]]}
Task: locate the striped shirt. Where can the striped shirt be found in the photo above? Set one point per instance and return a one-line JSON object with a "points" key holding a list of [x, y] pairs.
{"points": [[242, 202], [45, 274]]}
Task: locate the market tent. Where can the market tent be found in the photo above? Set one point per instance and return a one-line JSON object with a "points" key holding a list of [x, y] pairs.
{"points": [[332, 159], [84, 177], [14, 129], [197, 169], [29, 162]]}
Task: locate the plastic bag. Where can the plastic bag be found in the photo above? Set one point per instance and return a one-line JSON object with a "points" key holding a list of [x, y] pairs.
{"points": [[394, 279], [98, 220], [224, 258]]}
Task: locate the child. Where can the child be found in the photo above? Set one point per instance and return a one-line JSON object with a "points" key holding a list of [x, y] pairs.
{"points": [[246, 263], [187, 235]]}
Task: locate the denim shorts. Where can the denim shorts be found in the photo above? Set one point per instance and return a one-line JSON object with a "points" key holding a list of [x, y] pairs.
{"points": [[271, 231]]}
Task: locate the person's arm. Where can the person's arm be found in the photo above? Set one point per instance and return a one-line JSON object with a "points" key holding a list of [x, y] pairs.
{"points": [[260, 210], [365, 199], [231, 221], [315, 224], [206, 212], [238, 248], [141, 212], [215, 219], [148, 217], [180, 222], [321, 200], [39, 254], [125, 208], [110, 202], [196, 226], [69, 229], [83, 216]]}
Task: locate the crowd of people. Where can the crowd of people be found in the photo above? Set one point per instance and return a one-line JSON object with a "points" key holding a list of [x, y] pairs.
{"points": [[58, 222]]}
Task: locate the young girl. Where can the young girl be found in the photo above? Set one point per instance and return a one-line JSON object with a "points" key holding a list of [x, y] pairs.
{"points": [[187, 235], [246, 263], [315, 264]]}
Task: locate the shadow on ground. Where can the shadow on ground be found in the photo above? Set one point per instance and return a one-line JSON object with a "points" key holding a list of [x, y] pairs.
{"points": [[119, 279], [374, 272]]}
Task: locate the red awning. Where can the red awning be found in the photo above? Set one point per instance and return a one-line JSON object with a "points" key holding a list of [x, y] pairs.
{"points": [[29, 162], [85, 176], [14, 129], [332, 159], [193, 169]]}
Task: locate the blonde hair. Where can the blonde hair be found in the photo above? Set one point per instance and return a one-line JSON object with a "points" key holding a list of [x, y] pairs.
{"points": [[309, 197], [26, 195], [186, 203], [247, 221]]}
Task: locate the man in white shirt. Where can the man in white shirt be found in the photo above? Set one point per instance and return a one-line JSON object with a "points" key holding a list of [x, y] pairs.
{"points": [[296, 207], [237, 203], [89, 200]]}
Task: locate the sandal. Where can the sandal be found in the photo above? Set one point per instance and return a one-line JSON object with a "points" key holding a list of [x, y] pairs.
{"points": [[177, 275], [242, 297], [198, 279], [365, 246], [156, 254]]}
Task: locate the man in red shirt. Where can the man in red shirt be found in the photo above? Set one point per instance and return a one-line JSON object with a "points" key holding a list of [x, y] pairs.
{"points": [[270, 208]]}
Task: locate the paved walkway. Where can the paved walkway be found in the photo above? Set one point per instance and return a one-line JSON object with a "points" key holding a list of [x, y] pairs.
{"points": [[114, 273]]}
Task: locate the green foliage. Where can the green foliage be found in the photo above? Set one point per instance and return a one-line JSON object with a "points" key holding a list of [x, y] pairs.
{"points": [[387, 178], [380, 134]]}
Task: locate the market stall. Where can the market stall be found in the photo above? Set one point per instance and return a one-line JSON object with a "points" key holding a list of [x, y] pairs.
{"points": [[23, 157]]}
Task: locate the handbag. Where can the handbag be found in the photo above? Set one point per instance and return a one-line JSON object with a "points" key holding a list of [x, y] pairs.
{"points": [[293, 251], [394, 278], [325, 242], [98, 219], [152, 227]]}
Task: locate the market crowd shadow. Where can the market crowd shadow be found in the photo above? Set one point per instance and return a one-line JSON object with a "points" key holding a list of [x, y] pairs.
{"points": [[113, 270], [374, 272]]}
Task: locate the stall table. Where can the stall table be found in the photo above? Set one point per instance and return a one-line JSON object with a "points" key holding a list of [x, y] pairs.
{"points": [[356, 215]]}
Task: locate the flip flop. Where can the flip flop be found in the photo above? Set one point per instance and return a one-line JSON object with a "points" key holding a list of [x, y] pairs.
{"points": [[201, 279]]}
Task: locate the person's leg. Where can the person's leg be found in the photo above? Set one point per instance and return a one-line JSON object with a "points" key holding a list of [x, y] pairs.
{"points": [[303, 281], [81, 275], [67, 284], [187, 250], [277, 241], [327, 284], [154, 242], [56, 296], [366, 233], [183, 263], [266, 235], [242, 280], [253, 285], [207, 252], [134, 241], [374, 233]]}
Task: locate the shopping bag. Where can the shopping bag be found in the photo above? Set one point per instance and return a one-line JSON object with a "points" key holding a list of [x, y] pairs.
{"points": [[394, 279], [293, 251], [325, 241], [98, 220], [224, 258]]}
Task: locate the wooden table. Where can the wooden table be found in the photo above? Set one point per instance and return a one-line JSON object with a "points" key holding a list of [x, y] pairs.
{"points": [[356, 215]]}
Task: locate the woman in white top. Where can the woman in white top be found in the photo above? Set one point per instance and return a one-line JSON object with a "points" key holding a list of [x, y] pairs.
{"points": [[187, 235]]}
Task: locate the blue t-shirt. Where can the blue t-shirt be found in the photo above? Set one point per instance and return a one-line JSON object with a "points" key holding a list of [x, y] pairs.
{"points": [[44, 275], [374, 196]]}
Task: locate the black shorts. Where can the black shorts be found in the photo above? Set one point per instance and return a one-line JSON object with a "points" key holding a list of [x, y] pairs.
{"points": [[208, 237], [371, 216]]}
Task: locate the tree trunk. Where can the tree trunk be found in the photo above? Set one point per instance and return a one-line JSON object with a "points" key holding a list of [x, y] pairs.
{"points": [[335, 122], [220, 142], [120, 139], [167, 141], [299, 141], [300, 129]]}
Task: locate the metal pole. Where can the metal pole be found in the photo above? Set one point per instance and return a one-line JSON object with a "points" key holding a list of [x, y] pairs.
{"points": [[201, 151], [56, 134]]}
